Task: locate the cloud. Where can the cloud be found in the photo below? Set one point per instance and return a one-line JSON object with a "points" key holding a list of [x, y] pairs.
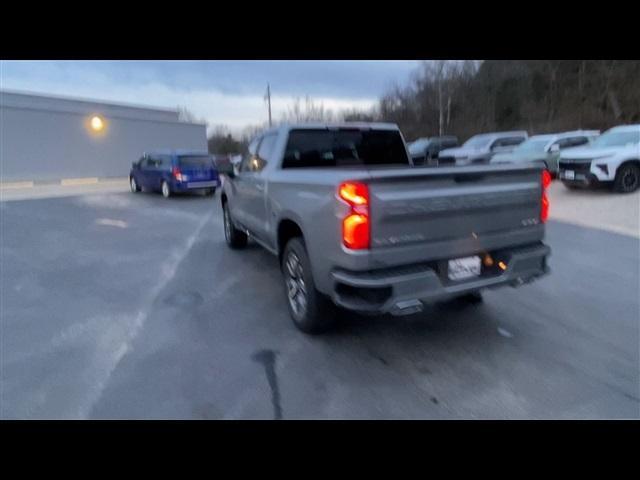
{"points": [[227, 93]]}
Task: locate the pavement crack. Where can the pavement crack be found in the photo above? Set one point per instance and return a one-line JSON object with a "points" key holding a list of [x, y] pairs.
{"points": [[267, 358]]}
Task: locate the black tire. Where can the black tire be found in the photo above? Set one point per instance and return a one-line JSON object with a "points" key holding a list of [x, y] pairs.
{"points": [[461, 302], [165, 189], [211, 192], [235, 238], [570, 186], [474, 298], [627, 178], [133, 184], [315, 313]]}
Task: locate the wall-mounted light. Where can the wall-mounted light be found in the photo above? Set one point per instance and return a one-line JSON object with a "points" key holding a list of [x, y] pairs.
{"points": [[97, 124]]}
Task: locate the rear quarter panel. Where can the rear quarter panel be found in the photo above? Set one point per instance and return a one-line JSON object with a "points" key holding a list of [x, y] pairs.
{"points": [[308, 197]]}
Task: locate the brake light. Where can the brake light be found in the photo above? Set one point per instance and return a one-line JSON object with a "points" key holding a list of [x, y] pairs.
{"points": [[354, 193], [355, 226], [177, 174], [546, 179], [544, 203]]}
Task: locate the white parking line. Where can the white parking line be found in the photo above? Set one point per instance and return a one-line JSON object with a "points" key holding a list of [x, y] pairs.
{"points": [[111, 361]]}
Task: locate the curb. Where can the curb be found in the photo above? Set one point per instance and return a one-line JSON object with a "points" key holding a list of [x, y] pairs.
{"points": [[65, 182]]}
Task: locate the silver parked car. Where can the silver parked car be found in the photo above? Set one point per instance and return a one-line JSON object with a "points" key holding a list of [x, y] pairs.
{"points": [[546, 148], [480, 148]]}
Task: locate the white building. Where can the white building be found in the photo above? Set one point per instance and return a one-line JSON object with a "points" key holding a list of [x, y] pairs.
{"points": [[48, 138]]}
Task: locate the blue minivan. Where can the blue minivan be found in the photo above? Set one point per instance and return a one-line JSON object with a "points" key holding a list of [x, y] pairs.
{"points": [[175, 172]]}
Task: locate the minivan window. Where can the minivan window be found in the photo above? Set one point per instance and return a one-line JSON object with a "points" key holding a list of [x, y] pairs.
{"points": [[344, 147], [164, 162], [195, 161]]}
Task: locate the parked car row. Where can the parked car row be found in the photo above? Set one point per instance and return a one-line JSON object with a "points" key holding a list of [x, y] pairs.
{"points": [[578, 158]]}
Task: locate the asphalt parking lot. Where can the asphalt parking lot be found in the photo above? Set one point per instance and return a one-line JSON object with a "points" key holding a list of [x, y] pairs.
{"points": [[117, 305]]}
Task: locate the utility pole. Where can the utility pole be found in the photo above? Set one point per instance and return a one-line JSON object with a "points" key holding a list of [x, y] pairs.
{"points": [[268, 98], [440, 119]]}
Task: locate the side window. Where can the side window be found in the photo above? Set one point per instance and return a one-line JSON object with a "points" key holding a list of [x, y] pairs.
{"points": [[150, 162], [264, 153], [512, 141], [577, 141], [564, 143], [249, 155], [165, 162], [497, 143]]}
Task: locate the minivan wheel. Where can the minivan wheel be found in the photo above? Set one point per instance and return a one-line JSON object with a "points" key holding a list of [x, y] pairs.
{"points": [[134, 185], [166, 190], [311, 311], [627, 178], [235, 238]]}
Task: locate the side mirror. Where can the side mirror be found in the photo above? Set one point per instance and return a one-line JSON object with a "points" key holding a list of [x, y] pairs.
{"points": [[554, 148]]}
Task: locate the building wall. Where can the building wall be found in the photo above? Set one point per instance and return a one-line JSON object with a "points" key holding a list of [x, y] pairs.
{"points": [[40, 144]]}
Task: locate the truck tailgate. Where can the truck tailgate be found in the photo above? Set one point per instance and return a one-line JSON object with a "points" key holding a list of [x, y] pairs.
{"points": [[417, 206]]}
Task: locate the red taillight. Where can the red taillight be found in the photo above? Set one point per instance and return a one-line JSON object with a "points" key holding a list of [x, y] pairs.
{"points": [[177, 174], [354, 193], [355, 226], [355, 231], [546, 179], [544, 203]]}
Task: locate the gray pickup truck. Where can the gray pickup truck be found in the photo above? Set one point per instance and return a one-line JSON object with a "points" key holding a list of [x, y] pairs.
{"points": [[356, 225]]}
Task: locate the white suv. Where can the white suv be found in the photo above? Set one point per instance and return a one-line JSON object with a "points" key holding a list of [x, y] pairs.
{"points": [[613, 158]]}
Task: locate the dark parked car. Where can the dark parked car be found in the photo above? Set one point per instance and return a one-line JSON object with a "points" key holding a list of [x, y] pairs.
{"points": [[425, 151], [174, 172]]}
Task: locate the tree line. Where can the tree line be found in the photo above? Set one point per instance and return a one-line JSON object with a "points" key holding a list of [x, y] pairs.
{"points": [[464, 98]]}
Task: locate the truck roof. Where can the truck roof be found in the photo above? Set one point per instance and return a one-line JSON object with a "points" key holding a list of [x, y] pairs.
{"points": [[336, 125]]}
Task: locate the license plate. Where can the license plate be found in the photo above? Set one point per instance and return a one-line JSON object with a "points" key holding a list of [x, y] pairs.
{"points": [[461, 268], [569, 174]]}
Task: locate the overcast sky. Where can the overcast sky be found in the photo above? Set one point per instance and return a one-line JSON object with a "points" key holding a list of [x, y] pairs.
{"points": [[219, 92]]}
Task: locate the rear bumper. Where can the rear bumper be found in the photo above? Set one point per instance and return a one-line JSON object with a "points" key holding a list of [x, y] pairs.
{"points": [[185, 186], [403, 290]]}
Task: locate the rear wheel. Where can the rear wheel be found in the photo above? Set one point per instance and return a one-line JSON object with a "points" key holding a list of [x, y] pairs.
{"points": [[627, 178], [211, 192], [235, 238], [134, 185], [166, 190], [311, 311]]}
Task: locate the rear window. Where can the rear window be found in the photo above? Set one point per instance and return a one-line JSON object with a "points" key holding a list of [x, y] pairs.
{"points": [[344, 147], [197, 161]]}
